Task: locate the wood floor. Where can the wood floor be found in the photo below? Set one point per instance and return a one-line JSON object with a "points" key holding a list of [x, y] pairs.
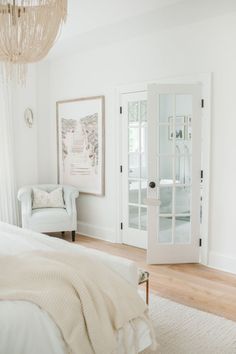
{"points": [[190, 284]]}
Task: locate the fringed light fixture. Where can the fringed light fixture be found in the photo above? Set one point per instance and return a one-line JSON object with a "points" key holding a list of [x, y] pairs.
{"points": [[28, 30]]}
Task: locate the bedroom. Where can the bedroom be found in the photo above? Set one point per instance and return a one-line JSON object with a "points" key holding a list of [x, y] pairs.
{"points": [[122, 53]]}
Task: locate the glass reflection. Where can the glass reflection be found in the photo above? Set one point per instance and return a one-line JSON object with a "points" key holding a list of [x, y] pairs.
{"points": [[134, 217], [143, 110], [166, 105], [134, 139], [143, 218], [165, 170], [143, 191], [165, 229], [134, 192], [182, 200], [183, 105], [133, 111], [165, 143], [134, 165], [182, 230], [166, 200]]}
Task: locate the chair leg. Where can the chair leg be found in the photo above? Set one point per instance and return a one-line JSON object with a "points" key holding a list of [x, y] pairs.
{"points": [[147, 292], [73, 236]]}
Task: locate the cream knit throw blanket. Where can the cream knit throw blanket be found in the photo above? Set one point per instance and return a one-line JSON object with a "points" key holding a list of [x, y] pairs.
{"points": [[87, 301]]}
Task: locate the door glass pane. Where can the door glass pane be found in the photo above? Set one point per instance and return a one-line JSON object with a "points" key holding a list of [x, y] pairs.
{"points": [[143, 165], [143, 110], [165, 229], [182, 200], [134, 217], [134, 192], [143, 191], [134, 139], [144, 138], [134, 165], [183, 169], [165, 170], [165, 140], [166, 200], [177, 123], [133, 111], [143, 218], [183, 105], [183, 147], [144, 148], [182, 230], [166, 105], [184, 122]]}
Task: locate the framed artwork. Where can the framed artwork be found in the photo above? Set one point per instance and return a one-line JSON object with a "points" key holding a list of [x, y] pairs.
{"points": [[179, 128], [80, 143]]}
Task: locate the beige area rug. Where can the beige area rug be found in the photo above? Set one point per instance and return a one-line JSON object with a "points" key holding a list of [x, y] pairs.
{"points": [[184, 330]]}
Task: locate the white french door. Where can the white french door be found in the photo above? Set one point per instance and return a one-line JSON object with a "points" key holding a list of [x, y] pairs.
{"points": [[161, 172], [134, 168], [174, 164]]}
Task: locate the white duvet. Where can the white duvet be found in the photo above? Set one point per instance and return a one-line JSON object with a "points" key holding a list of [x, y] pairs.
{"points": [[25, 328]]}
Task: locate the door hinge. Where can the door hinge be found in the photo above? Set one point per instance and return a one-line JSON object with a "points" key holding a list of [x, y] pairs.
{"points": [[121, 110], [121, 225], [121, 168], [201, 175], [200, 242], [202, 103]]}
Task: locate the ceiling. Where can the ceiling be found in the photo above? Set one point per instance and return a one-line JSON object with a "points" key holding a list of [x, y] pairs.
{"points": [[87, 15], [92, 23]]}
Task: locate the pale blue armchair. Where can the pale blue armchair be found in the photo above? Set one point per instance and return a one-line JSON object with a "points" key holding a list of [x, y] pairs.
{"points": [[49, 219]]}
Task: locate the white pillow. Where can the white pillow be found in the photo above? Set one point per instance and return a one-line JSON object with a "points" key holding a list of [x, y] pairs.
{"points": [[43, 199]]}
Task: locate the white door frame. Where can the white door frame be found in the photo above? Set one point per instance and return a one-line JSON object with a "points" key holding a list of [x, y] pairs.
{"points": [[206, 81]]}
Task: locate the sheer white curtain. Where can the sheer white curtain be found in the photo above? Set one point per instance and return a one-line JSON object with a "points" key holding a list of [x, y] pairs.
{"points": [[8, 200]]}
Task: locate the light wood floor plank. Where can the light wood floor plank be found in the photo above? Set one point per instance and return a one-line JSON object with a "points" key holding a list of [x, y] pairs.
{"points": [[190, 284]]}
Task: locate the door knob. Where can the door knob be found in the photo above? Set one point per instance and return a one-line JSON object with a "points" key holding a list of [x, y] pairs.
{"points": [[152, 184]]}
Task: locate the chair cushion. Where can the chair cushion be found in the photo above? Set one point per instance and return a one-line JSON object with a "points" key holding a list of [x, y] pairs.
{"points": [[50, 220], [44, 199], [50, 215]]}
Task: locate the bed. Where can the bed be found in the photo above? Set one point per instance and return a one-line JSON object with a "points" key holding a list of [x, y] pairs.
{"points": [[26, 328]]}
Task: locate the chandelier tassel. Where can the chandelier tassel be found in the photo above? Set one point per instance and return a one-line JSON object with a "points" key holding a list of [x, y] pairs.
{"points": [[28, 30]]}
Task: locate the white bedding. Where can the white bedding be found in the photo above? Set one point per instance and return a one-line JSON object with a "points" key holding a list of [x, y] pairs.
{"points": [[25, 328]]}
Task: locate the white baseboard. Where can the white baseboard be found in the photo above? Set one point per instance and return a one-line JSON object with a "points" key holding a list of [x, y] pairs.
{"points": [[222, 262], [95, 231]]}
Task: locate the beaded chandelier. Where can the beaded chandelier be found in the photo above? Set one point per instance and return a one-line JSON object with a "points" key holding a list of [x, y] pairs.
{"points": [[28, 30]]}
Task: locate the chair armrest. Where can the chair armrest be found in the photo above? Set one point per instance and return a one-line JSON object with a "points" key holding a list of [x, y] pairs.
{"points": [[70, 195], [25, 197]]}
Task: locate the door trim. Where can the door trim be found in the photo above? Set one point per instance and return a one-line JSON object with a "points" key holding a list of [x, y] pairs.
{"points": [[205, 79]]}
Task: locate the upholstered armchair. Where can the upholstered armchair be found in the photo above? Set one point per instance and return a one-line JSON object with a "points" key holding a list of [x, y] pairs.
{"points": [[51, 219]]}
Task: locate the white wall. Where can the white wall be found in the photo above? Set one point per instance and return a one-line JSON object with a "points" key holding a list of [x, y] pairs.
{"points": [[184, 50], [45, 126], [26, 144]]}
